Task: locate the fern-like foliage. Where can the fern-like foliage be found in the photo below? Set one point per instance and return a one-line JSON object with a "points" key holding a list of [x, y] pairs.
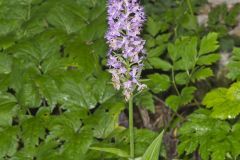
{"points": [[225, 102], [214, 139]]}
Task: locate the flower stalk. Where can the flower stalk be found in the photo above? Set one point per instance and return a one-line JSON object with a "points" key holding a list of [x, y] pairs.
{"points": [[126, 52], [131, 129]]}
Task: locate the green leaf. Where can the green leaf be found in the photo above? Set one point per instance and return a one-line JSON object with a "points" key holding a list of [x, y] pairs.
{"points": [[5, 64], [202, 74], [29, 95], [181, 78], [33, 129], [208, 59], [189, 22], [155, 52], [153, 27], [186, 96], [224, 102], [234, 64], [8, 141], [173, 102], [145, 99], [209, 43], [105, 118], [116, 151], [8, 108], [212, 137], [154, 149], [158, 83], [159, 63], [77, 144]]}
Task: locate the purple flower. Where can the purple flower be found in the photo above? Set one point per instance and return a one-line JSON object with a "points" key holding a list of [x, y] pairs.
{"points": [[125, 58]]}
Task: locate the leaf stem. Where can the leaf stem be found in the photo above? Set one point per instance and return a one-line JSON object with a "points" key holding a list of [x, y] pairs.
{"points": [[131, 129]]}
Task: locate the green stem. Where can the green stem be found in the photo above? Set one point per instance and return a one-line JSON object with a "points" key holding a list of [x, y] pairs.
{"points": [[190, 7], [174, 83], [131, 131]]}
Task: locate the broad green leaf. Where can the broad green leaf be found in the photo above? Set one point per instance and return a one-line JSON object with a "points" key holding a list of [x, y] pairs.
{"points": [[209, 43], [33, 129], [29, 95], [8, 109], [8, 141], [5, 64], [77, 91], [77, 144], [116, 151], [154, 149], [105, 118]]}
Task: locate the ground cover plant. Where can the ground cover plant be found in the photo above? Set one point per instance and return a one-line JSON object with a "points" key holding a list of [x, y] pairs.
{"points": [[178, 96]]}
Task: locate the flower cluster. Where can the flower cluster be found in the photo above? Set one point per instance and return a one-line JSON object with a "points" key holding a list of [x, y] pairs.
{"points": [[126, 54]]}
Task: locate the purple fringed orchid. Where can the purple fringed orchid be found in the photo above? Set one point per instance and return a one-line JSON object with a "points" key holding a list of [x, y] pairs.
{"points": [[126, 54]]}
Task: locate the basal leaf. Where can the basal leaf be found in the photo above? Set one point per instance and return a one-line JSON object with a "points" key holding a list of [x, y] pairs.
{"points": [[116, 151], [154, 149]]}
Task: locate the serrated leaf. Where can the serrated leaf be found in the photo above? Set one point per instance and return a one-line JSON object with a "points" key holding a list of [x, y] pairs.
{"points": [[173, 102], [77, 144], [186, 96], [145, 99], [32, 130], [208, 59], [209, 43], [234, 65], [8, 108], [159, 63], [224, 102], [29, 95], [8, 141], [153, 27], [155, 52], [202, 74], [5, 64], [154, 149], [105, 119], [181, 78], [158, 83], [198, 132]]}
